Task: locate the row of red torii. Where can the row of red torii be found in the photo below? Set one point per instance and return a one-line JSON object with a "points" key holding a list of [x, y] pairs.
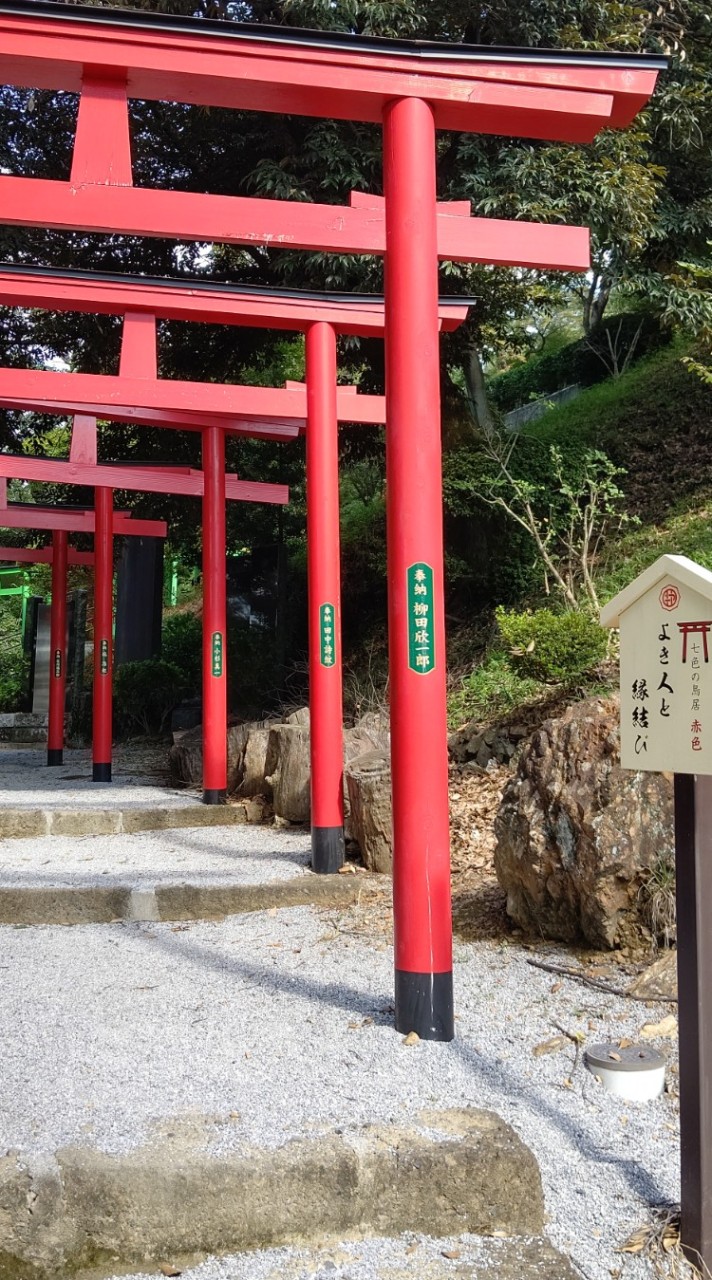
{"points": [[412, 88]]}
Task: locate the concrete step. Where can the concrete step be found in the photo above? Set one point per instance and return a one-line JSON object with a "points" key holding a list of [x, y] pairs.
{"points": [[23, 823], [174, 1197], [26, 905]]}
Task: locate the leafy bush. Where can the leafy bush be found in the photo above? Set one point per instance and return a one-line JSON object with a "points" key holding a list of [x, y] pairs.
{"points": [[182, 645], [14, 665], [145, 693], [491, 690], [553, 647], [586, 361]]}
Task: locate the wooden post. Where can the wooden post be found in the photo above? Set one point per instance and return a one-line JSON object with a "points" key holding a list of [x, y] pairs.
{"points": [[693, 862]]}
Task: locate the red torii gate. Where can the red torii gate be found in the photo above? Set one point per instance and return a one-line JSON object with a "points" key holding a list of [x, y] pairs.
{"points": [[138, 378], [103, 522], [59, 556], [413, 88], [320, 316]]}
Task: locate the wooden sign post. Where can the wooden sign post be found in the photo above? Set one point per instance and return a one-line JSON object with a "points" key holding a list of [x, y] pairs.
{"points": [[665, 620]]}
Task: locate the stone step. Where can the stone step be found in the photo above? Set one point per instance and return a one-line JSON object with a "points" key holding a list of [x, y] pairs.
{"points": [[21, 823], [175, 1198], [26, 905]]}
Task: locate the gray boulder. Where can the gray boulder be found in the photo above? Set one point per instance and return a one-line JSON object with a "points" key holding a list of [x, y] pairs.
{"points": [[577, 835]]}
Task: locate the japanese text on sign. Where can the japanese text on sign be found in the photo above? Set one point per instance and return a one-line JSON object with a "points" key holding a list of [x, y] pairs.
{"points": [[327, 635], [421, 619], [104, 657], [666, 681], [217, 653]]}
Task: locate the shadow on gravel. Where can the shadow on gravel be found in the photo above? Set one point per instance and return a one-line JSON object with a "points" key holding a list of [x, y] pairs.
{"points": [[199, 838], [497, 1076]]}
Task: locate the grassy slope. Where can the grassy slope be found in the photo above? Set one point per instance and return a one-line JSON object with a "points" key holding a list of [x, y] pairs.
{"points": [[656, 422]]}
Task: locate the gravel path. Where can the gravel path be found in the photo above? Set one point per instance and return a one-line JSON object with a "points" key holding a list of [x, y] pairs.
{"points": [[263, 1027], [27, 783], [195, 855]]}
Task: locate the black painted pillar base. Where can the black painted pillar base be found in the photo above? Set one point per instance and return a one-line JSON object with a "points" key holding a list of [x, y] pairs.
{"points": [[424, 1004], [327, 845], [55, 755], [101, 773], [215, 797]]}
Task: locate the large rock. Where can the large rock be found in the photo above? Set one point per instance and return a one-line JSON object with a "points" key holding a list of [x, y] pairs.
{"points": [[576, 834], [368, 778], [186, 755], [287, 771]]}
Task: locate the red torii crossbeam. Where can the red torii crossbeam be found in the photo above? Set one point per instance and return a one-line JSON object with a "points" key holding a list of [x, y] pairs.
{"points": [[45, 555], [206, 302]]}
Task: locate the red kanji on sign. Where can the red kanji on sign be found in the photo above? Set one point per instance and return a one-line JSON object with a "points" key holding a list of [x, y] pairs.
{"points": [[669, 597]]}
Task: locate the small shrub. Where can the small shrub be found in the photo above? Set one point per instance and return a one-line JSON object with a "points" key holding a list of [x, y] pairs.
{"points": [[182, 645], [14, 665], [553, 647], [145, 693], [491, 690]]}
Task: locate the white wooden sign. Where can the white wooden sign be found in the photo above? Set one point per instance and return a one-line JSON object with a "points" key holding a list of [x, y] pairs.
{"points": [[665, 620]]}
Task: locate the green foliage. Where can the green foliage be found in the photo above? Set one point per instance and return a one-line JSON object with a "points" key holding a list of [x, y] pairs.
{"points": [[491, 690], [14, 666], [253, 676], [182, 647], [687, 532], [553, 647], [586, 361], [145, 693]]}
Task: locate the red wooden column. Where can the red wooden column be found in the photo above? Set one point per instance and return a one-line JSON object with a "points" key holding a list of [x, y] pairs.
{"points": [[214, 619], [58, 649], [325, 677], [421, 850], [103, 620]]}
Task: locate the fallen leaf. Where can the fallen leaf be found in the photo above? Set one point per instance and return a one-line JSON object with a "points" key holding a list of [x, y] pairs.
{"points": [[671, 1237], [615, 1057], [550, 1046], [568, 1083], [412, 1248], [348, 869], [636, 1242], [411, 1038], [452, 1253], [556, 987], [625, 1043], [664, 1030], [170, 1271]]}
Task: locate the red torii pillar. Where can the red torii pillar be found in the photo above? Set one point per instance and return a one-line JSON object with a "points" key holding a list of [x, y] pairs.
{"points": [[416, 630], [324, 602], [58, 649], [103, 634], [214, 619]]}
